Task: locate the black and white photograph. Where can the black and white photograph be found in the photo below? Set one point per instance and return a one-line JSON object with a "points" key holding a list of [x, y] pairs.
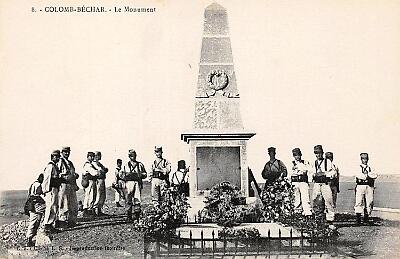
{"points": [[199, 129]]}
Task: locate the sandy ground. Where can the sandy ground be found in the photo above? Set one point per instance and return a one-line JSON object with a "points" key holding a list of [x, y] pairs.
{"points": [[114, 238]]}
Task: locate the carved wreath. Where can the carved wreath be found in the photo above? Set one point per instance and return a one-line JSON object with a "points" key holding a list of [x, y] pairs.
{"points": [[217, 80]]}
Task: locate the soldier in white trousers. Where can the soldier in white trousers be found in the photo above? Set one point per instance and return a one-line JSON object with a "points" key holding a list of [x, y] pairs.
{"points": [[159, 175], [68, 202], [365, 180], [299, 178], [133, 174], [118, 184], [100, 184], [322, 175], [39, 207], [334, 184], [89, 174], [50, 187]]}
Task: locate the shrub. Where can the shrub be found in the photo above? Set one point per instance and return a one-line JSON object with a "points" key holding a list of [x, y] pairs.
{"points": [[162, 220]]}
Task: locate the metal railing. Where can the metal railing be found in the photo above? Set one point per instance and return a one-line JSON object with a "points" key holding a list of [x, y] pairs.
{"points": [[229, 246]]}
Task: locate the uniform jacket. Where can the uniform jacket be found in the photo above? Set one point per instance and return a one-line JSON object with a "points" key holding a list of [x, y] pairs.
{"points": [[51, 171]]}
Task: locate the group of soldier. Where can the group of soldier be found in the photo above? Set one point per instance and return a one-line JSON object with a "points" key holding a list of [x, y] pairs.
{"points": [[54, 195], [54, 192], [325, 176]]}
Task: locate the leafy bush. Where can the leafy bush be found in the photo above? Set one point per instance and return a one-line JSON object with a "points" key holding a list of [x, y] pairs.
{"points": [[162, 220], [225, 205], [277, 199]]}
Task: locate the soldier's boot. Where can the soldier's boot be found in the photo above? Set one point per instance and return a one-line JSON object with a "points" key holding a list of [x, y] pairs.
{"points": [[30, 242], [367, 220], [137, 212], [129, 217], [358, 219]]}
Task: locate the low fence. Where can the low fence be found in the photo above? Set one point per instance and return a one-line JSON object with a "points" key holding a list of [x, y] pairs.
{"points": [[226, 246]]}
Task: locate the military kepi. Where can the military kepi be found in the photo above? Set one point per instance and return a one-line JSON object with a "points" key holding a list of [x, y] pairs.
{"points": [[271, 149], [158, 149], [67, 149], [296, 151], [55, 153], [318, 149], [181, 164]]}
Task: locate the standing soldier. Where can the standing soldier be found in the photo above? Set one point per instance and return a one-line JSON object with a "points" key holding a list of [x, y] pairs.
{"points": [[274, 168], [179, 178], [133, 174], [323, 174], [117, 185], [159, 175], [299, 179], [50, 187], [68, 201], [101, 184], [365, 180], [39, 207], [89, 177], [334, 184]]}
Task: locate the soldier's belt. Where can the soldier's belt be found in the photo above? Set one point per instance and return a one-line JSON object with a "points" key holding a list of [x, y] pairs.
{"points": [[321, 179], [299, 178], [369, 182]]}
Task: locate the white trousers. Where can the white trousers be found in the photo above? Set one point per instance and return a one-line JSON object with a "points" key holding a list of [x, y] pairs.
{"points": [[34, 222], [361, 192], [325, 191], [68, 203], [157, 188], [301, 198], [51, 212], [117, 197], [132, 195], [90, 195]]}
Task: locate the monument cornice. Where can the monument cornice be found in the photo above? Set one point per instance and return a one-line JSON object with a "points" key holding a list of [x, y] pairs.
{"points": [[234, 135]]}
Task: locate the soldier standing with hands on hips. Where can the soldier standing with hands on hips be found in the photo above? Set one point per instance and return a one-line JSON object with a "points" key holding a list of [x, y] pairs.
{"points": [[365, 180]]}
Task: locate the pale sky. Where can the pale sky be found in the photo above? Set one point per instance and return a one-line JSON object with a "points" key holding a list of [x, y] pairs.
{"points": [[308, 72]]}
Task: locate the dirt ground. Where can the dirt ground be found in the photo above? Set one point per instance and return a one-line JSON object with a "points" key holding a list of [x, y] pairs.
{"points": [[112, 237]]}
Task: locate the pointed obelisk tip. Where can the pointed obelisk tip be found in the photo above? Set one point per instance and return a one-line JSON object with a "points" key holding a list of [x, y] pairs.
{"points": [[215, 6]]}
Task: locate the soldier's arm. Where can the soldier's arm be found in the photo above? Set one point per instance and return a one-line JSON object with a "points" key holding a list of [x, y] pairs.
{"points": [[311, 172], [330, 170], [373, 174], [264, 172], [142, 171], [284, 169], [89, 169], [360, 175], [167, 167]]}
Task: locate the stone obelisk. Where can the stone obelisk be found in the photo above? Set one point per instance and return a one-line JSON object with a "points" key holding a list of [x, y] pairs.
{"points": [[217, 140]]}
